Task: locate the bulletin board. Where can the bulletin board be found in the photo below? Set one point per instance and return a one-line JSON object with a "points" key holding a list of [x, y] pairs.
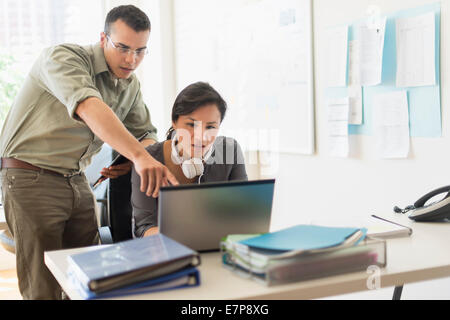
{"points": [[258, 55], [424, 102]]}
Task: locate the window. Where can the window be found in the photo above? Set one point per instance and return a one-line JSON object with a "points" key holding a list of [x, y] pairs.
{"points": [[28, 26]]}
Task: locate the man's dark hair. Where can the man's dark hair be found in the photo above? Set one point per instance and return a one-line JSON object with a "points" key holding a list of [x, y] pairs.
{"points": [[195, 96], [135, 18]]}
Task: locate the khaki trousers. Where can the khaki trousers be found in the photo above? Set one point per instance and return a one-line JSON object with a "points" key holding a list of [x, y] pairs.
{"points": [[46, 212]]}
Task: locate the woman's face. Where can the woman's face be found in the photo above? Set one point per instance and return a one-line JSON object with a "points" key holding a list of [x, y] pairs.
{"points": [[197, 131]]}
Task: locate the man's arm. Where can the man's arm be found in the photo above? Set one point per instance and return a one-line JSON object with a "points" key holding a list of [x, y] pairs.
{"points": [[116, 171], [147, 142], [107, 126]]}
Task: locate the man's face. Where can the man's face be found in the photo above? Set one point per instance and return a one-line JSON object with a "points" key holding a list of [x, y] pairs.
{"points": [[122, 37]]}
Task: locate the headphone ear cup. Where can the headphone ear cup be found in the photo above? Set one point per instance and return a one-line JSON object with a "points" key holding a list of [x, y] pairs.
{"points": [[192, 168], [198, 165], [188, 168]]}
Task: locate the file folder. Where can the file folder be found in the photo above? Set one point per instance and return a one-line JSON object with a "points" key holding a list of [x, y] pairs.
{"points": [[302, 238], [304, 266]]}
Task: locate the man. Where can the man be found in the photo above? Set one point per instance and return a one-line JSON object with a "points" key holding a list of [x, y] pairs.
{"points": [[74, 99]]}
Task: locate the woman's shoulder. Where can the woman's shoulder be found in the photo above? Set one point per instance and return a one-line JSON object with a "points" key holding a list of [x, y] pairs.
{"points": [[228, 141], [156, 150], [226, 148]]}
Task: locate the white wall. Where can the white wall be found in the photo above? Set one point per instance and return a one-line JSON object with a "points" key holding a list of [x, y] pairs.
{"points": [[363, 184]]}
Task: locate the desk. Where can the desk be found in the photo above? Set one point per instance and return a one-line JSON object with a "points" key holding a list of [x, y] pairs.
{"points": [[422, 256]]}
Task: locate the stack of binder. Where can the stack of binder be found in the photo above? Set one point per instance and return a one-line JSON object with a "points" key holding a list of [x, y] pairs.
{"points": [[135, 266], [300, 253]]}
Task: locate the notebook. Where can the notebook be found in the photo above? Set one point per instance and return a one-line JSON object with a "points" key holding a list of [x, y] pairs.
{"points": [[379, 227]]}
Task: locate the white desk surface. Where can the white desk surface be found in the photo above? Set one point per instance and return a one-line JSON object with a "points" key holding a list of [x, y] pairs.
{"points": [[422, 256]]}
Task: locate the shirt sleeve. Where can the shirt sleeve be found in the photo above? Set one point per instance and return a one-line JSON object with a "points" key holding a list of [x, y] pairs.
{"points": [[138, 120], [65, 72]]}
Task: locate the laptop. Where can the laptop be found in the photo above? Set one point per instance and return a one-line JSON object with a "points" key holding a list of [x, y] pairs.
{"points": [[200, 215]]}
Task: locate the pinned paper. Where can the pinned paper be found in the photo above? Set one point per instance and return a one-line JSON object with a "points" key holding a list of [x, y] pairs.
{"points": [[391, 123], [416, 45]]}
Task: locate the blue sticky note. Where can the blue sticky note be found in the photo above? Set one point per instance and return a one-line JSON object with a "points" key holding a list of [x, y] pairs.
{"points": [[301, 237]]}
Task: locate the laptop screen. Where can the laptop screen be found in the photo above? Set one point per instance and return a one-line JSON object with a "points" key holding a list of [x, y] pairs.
{"points": [[200, 215]]}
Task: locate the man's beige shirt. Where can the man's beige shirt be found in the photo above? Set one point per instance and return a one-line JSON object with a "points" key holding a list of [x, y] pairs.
{"points": [[42, 127]]}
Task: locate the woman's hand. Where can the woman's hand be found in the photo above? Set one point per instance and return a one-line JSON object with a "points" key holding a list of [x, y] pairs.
{"points": [[116, 171], [151, 231]]}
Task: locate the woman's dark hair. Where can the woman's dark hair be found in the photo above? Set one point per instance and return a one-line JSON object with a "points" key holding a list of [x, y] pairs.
{"points": [[135, 18], [195, 96]]}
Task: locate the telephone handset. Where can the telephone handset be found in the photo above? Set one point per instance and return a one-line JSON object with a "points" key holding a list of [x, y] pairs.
{"points": [[434, 211]]}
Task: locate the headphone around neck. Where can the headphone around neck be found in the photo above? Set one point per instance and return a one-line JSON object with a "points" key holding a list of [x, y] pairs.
{"points": [[191, 167]]}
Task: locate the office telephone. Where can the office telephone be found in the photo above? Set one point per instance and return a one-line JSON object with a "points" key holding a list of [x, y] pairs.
{"points": [[434, 211]]}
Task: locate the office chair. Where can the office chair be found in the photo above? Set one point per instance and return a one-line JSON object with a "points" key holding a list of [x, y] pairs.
{"points": [[113, 197], [116, 225]]}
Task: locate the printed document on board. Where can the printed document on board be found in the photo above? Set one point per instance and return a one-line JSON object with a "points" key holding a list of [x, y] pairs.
{"points": [[338, 111], [371, 44], [391, 124], [354, 84], [337, 56], [355, 104], [416, 45]]}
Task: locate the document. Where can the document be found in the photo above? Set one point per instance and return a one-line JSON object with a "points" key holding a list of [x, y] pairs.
{"points": [[337, 56], [391, 124], [416, 65], [338, 111], [354, 83], [355, 104], [371, 45], [354, 64]]}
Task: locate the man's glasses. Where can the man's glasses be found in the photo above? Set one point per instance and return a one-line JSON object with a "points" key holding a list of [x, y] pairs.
{"points": [[125, 51]]}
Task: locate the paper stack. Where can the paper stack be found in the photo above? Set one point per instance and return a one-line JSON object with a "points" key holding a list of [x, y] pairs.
{"points": [[134, 266], [301, 252]]}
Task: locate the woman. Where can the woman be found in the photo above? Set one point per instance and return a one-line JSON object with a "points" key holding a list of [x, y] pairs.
{"points": [[192, 152]]}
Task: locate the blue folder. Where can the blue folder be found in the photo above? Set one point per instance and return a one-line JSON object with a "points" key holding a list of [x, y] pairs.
{"points": [[302, 237], [188, 277]]}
